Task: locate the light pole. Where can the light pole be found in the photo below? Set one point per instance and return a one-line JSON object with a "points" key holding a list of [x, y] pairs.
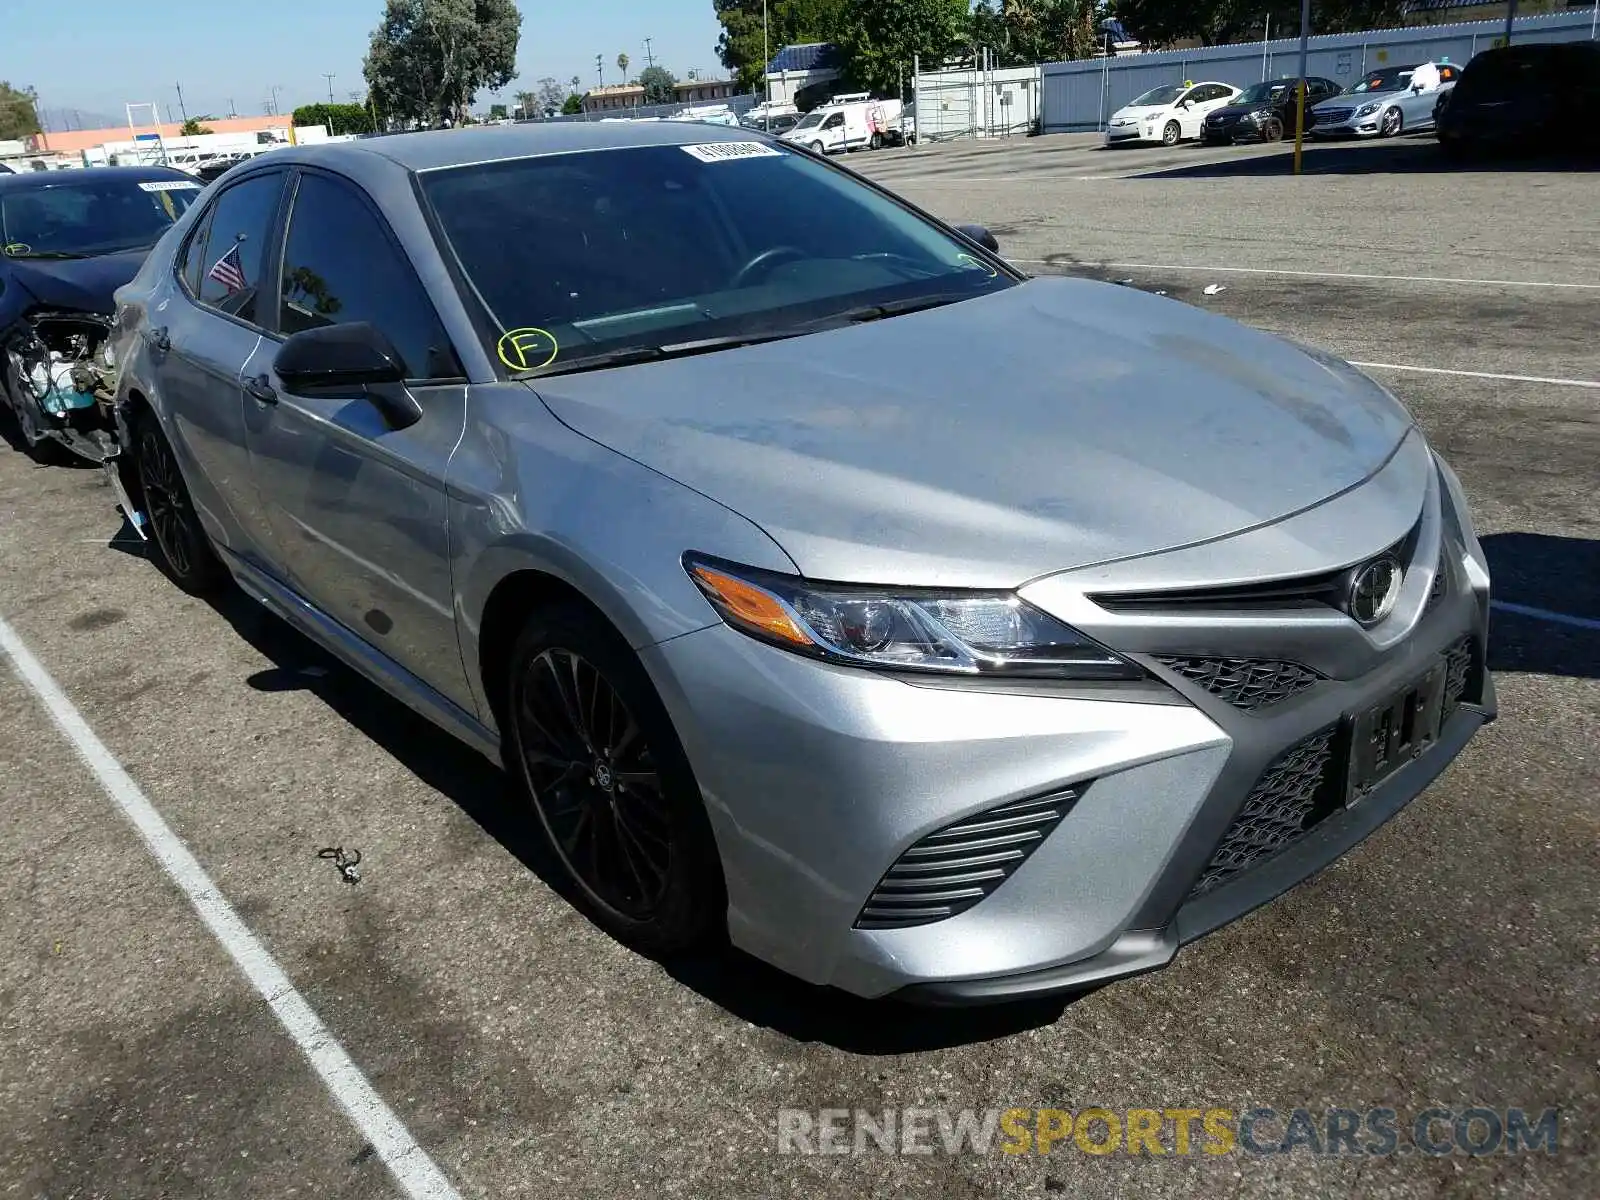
{"points": [[766, 62], [1300, 116]]}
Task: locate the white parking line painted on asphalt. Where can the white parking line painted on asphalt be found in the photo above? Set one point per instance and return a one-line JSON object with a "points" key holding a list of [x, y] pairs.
{"points": [[416, 1173], [1122, 266], [1544, 614], [1557, 380]]}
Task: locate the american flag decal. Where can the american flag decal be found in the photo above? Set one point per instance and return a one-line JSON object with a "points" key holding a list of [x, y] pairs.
{"points": [[229, 271]]}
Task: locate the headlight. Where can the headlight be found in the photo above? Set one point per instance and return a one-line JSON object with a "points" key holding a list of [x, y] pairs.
{"points": [[1366, 110], [960, 633]]}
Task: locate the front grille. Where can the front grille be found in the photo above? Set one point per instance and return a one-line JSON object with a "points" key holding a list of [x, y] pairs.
{"points": [[1331, 116], [953, 868], [1441, 580], [1457, 674], [1245, 683], [1292, 795]]}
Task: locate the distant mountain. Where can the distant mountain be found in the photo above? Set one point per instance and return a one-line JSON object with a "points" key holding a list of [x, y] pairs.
{"points": [[58, 119]]}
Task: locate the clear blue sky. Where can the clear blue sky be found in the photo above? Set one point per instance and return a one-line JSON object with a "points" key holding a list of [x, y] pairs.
{"points": [[97, 55]]}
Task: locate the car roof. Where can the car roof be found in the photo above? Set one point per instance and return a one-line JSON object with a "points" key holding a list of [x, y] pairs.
{"points": [[23, 180], [442, 148]]}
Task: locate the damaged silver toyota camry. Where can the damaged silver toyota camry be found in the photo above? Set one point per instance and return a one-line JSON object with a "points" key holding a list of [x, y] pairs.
{"points": [[823, 582], [68, 240]]}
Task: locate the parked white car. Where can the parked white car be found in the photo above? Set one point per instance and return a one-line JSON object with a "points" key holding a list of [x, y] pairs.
{"points": [[1168, 114]]}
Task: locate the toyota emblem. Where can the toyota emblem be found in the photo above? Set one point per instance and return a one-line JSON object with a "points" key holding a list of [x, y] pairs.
{"points": [[1374, 589]]}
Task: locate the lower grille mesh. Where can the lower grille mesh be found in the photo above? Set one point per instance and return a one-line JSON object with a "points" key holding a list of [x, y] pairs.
{"points": [[1457, 672], [953, 868], [1247, 683], [1283, 804]]}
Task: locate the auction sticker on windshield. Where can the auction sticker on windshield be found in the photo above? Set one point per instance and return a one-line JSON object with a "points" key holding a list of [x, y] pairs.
{"points": [[724, 151], [168, 185]]}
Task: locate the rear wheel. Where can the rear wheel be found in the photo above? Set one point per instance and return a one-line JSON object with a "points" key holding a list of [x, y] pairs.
{"points": [[1391, 123], [1171, 134], [182, 549], [592, 744], [875, 142]]}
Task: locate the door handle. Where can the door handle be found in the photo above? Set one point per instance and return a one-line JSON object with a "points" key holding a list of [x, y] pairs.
{"points": [[157, 339], [261, 389]]}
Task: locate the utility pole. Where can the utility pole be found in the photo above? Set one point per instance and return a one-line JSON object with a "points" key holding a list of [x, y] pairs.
{"points": [[328, 75], [766, 61], [276, 88], [1300, 116], [183, 111], [232, 111], [649, 59], [1511, 15], [600, 68]]}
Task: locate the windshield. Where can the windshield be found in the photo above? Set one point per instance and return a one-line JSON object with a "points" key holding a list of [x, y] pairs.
{"points": [[1390, 80], [81, 218], [1167, 94], [810, 120], [1273, 89], [579, 255]]}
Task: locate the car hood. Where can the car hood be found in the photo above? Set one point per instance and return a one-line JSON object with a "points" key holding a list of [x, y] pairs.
{"points": [[1355, 99], [82, 284], [1144, 112], [1054, 424], [1239, 110]]}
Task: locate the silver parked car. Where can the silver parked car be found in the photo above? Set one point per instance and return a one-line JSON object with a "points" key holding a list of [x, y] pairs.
{"points": [[824, 583], [1385, 103]]}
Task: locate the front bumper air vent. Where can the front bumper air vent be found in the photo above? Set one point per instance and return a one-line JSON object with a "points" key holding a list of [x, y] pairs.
{"points": [[951, 869], [1245, 683]]}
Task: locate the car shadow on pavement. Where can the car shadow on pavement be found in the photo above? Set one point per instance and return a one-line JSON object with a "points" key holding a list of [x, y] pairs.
{"points": [[745, 987], [1406, 155], [1556, 575]]}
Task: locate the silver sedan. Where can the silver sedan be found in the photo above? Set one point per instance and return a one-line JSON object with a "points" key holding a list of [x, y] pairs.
{"points": [[824, 583]]}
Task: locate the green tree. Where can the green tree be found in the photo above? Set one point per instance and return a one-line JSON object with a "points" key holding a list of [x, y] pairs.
{"points": [[740, 45], [428, 59], [19, 113], [880, 37], [622, 65], [497, 112], [572, 105], [1218, 22], [658, 85], [338, 118], [550, 95], [193, 128]]}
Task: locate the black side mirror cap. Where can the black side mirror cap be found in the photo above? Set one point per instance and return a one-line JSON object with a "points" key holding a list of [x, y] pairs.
{"points": [[349, 355], [982, 236]]}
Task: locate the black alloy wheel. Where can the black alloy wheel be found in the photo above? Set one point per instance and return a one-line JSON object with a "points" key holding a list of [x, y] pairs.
{"points": [[610, 785], [180, 539]]}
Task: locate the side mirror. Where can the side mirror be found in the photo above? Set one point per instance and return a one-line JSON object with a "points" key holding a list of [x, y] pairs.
{"points": [[982, 236], [350, 355]]}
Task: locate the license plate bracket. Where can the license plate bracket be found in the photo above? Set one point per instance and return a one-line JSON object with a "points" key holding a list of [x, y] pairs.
{"points": [[1387, 736]]}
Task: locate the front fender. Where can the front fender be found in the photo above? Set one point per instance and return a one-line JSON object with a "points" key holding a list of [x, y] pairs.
{"points": [[527, 493]]}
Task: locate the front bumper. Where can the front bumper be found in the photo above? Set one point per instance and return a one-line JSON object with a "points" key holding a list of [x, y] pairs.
{"points": [[1350, 127], [820, 779]]}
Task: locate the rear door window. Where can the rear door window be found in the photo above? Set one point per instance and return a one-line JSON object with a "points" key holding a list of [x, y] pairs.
{"points": [[235, 256]]}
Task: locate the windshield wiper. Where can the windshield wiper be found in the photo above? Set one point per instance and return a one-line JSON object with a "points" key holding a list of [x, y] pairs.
{"points": [[894, 308], [624, 355]]}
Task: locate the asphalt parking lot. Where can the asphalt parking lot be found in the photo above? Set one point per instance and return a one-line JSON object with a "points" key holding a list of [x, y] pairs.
{"points": [[1453, 960]]}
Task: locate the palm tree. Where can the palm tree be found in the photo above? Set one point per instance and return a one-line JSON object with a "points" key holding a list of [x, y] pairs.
{"points": [[622, 65]]}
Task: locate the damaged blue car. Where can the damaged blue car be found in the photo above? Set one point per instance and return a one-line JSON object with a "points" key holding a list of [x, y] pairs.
{"points": [[68, 240]]}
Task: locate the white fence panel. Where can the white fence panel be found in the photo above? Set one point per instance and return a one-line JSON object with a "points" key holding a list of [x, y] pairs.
{"points": [[976, 103]]}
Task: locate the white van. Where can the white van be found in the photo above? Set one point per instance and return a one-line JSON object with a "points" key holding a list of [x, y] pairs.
{"points": [[848, 122]]}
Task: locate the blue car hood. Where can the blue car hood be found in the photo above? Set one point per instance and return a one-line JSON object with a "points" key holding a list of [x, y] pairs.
{"points": [[80, 284], [1050, 425]]}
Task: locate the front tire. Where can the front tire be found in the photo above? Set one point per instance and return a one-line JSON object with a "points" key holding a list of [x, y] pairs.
{"points": [[180, 545], [594, 750], [1171, 134], [1391, 123], [1272, 130]]}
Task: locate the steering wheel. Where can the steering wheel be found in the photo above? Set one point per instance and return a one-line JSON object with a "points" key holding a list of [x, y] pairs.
{"points": [[765, 261]]}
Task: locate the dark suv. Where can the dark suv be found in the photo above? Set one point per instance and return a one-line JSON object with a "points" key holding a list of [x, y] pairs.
{"points": [[1534, 96], [1264, 110]]}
